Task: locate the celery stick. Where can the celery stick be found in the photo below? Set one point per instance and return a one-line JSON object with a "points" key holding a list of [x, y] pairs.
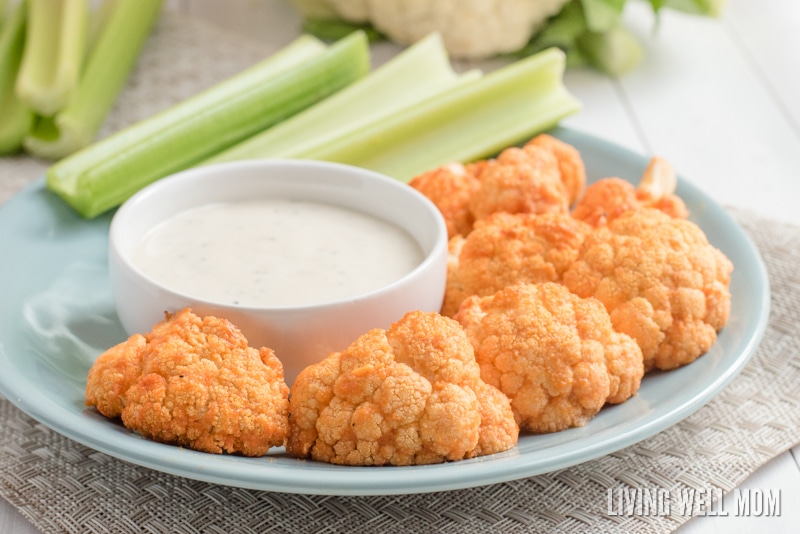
{"points": [[54, 48], [105, 174], [614, 52], [474, 121], [17, 119], [98, 19], [331, 29], [110, 61], [415, 74]]}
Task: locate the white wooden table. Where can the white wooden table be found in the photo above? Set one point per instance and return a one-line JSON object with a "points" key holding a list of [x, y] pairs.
{"points": [[720, 99]]}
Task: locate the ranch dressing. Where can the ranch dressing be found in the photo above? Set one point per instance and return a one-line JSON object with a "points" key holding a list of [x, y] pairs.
{"points": [[275, 253]]}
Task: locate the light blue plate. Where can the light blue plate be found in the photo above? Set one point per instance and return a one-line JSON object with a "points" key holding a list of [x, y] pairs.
{"points": [[57, 316]]}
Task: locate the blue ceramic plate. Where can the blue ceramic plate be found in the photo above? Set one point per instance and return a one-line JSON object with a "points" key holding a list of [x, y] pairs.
{"points": [[57, 316]]}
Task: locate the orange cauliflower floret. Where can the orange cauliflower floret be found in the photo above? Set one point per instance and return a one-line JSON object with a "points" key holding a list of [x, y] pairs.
{"points": [[570, 164], [450, 187], [507, 248], [661, 281], [546, 175], [554, 354], [520, 180], [409, 395], [194, 382], [607, 199]]}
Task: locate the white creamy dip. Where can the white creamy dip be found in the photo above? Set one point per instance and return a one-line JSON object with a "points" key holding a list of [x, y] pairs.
{"points": [[275, 253]]}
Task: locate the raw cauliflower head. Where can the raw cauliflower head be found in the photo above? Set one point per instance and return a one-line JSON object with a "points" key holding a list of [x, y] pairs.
{"points": [[505, 248], [554, 354], [411, 394], [660, 280], [194, 382], [469, 28]]}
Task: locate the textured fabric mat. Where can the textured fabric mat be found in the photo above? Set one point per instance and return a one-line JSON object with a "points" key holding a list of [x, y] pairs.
{"points": [[64, 487]]}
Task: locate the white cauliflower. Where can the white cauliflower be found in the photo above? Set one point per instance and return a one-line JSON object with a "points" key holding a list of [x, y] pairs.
{"points": [[470, 29]]}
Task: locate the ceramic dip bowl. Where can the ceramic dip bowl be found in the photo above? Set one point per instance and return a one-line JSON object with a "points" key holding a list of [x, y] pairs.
{"points": [[302, 256]]}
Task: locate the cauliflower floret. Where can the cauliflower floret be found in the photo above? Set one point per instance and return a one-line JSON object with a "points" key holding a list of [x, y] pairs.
{"points": [[554, 354], [607, 199], [194, 382], [547, 175], [521, 180], [454, 292], [508, 248], [570, 164], [469, 28], [409, 395], [450, 187], [657, 186], [661, 281]]}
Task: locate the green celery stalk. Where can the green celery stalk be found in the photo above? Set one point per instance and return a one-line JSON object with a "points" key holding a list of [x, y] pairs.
{"points": [[615, 51], [105, 174], [55, 46], [98, 20], [711, 8], [17, 119], [415, 74], [333, 29], [110, 61], [474, 121]]}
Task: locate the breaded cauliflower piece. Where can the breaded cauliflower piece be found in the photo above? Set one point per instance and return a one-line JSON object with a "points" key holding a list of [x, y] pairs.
{"points": [[450, 187], [554, 354], [570, 164], [521, 180], [194, 382], [507, 248], [660, 280], [408, 395]]}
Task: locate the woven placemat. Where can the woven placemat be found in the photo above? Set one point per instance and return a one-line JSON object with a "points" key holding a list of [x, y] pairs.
{"points": [[64, 487]]}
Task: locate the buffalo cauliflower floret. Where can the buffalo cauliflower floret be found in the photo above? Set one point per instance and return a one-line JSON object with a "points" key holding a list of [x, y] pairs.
{"points": [[521, 180], [570, 164], [450, 187], [546, 175], [508, 248], [661, 281], [607, 199], [657, 187], [554, 354], [194, 382], [409, 395]]}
